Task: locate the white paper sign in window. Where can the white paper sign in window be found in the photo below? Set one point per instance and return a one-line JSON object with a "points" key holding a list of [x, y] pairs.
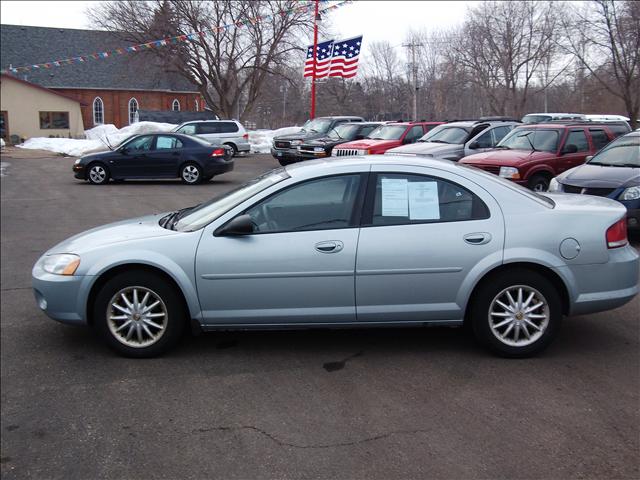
{"points": [[165, 142], [423, 201], [395, 197]]}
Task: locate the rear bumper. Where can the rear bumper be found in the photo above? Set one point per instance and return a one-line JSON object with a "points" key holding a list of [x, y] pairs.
{"points": [[217, 168], [598, 287]]}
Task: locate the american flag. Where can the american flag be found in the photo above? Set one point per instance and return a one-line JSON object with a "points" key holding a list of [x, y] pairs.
{"points": [[334, 59], [344, 61], [323, 60]]}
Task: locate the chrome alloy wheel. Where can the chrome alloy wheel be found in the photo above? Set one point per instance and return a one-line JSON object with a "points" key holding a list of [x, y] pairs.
{"points": [[137, 317], [190, 174], [97, 174], [518, 315]]}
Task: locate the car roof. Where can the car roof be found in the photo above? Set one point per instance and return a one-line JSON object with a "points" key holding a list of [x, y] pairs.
{"points": [[568, 124], [338, 117], [551, 114], [212, 120]]}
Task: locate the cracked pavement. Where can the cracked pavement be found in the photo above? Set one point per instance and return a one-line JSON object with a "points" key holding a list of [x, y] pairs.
{"points": [[375, 404]]}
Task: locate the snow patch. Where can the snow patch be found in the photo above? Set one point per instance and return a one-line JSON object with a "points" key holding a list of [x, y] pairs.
{"points": [[261, 140]]}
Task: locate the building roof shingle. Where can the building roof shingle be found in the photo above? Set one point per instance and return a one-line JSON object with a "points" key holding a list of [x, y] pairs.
{"points": [[24, 45]]}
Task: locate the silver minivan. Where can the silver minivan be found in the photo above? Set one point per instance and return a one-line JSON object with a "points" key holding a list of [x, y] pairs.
{"points": [[227, 132]]}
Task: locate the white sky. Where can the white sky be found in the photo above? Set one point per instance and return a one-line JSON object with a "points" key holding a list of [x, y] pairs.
{"points": [[377, 20]]}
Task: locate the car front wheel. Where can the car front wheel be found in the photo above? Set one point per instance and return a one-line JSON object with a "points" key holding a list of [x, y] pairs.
{"points": [[516, 314], [539, 183], [138, 314], [191, 174], [98, 174]]}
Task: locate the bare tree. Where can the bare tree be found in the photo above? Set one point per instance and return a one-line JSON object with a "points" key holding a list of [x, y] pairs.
{"points": [[227, 64], [610, 30], [503, 44]]}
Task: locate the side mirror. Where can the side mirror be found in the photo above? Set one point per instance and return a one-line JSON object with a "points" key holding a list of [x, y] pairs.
{"points": [[474, 145], [242, 225], [124, 151], [588, 158], [571, 148]]}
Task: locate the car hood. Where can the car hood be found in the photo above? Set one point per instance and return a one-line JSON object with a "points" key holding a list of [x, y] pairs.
{"points": [[85, 159], [370, 143], [507, 157], [134, 229], [601, 176], [427, 148], [300, 136], [324, 142]]}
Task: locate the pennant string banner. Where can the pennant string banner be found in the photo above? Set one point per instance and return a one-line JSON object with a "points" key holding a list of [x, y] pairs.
{"points": [[308, 6]]}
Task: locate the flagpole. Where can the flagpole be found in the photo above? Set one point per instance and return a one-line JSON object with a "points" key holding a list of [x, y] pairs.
{"points": [[315, 56]]}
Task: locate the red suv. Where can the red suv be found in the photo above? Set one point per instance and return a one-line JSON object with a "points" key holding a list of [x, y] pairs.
{"points": [[384, 137], [532, 155]]}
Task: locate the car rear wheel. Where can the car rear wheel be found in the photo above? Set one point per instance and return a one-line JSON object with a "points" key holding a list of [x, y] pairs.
{"points": [[539, 183], [191, 174], [98, 174], [233, 147], [516, 314], [138, 314]]}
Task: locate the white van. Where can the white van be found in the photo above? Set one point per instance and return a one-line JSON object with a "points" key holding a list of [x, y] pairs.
{"points": [[227, 132]]}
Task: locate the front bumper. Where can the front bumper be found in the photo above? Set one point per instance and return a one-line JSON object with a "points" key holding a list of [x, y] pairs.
{"points": [[79, 172], [60, 296], [285, 154]]}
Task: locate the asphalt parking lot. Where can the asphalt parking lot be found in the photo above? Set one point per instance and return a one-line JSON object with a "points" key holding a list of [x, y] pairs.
{"points": [[406, 403]]}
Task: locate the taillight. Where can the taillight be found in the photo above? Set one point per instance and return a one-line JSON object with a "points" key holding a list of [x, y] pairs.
{"points": [[617, 234], [245, 136], [218, 152]]}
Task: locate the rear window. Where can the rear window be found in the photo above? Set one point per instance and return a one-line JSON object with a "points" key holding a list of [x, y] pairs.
{"points": [[228, 127], [619, 129], [208, 127]]}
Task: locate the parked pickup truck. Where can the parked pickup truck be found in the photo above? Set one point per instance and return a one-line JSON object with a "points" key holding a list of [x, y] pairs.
{"points": [[532, 155], [343, 133], [285, 147]]}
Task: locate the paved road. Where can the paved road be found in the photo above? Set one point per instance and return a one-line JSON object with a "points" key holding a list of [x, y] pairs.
{"points": [[408, 403]]}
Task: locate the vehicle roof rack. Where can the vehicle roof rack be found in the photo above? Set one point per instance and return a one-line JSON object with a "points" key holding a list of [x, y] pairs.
{"points": [[499, 119], [582, 122], [461, 120]]}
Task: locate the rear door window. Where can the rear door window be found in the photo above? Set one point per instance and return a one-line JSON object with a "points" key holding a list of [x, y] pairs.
{"points": [[228, 127], [208, 128], [165, 142], [599, 138]]}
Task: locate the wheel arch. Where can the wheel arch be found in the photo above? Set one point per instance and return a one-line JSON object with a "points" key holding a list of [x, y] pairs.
{"points": [[232, 145], [543, 270], [96, 162], [540, 170], [115, 270]]}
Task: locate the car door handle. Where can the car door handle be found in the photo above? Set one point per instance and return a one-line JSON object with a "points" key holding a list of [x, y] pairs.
{"points": [[330, 246], [478, 238]]}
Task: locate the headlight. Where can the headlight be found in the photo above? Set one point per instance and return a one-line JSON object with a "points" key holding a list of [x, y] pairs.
{"points": [[318, 149], [296, 142], [77, 161], [554, 186], [509, 172], [631, 193], [61, 264]]}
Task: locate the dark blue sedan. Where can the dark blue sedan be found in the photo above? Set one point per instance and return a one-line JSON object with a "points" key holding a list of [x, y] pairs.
{"points": [[157, 155], [614, 172]]}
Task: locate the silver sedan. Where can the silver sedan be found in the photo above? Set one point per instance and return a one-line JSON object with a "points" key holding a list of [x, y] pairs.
{"points": [[357, 242]]}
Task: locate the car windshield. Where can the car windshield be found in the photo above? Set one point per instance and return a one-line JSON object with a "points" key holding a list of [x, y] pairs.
{"points": [[446, 135], [203, 214], [623, 152], [346, 132], [536, 118], [318, 125], [531, 139], [387, 132]]}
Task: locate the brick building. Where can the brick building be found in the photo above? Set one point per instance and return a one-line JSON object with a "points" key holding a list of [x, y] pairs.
{"points": [[110, 90]]}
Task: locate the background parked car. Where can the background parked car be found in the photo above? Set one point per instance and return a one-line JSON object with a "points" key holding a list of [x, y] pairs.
{"points": [[343, 133], [454, 140], [532, 155], [225, 132], [549, 117], [157, 155], [389, 135], [614, 172], [285, 147]]}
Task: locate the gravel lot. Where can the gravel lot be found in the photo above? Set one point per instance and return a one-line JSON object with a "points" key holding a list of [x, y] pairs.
{"points": [[384, 403]]}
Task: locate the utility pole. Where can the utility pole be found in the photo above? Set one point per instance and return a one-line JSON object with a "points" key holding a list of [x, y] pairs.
{"points": [[414, 67]]}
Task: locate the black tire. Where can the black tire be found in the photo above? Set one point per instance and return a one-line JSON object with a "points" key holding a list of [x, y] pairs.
{"points": [[98, 173], [233, 146], [539, 182], [171, 306], [493, 289], [190, 173], [284, 162]]}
